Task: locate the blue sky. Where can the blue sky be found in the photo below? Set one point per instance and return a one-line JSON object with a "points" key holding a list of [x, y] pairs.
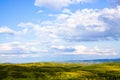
{"points": [[59, 30]]}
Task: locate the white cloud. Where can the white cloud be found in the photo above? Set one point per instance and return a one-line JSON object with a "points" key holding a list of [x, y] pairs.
{"points": [[82, 25], [6, 30], [45, 32], [20, 48], [82, 49], [57, 4], [30, 49], [62, 17], [94, 51], [66, 27], [92, 25], [20, 55], [40, 11], [53, 3], [5, 47], [58, 47], [67, 11]]}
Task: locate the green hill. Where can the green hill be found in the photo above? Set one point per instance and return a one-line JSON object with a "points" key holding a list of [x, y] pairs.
{"points": [[60, 71]]}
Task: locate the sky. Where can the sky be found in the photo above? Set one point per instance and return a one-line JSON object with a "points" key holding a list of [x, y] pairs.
{"points": [[59, 30]]}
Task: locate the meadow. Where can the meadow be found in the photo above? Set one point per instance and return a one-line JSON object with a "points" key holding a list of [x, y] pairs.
{"points": [[60, 71]]}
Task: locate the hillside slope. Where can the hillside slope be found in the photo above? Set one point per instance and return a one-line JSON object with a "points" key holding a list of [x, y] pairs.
{"points": [[60, 71]]}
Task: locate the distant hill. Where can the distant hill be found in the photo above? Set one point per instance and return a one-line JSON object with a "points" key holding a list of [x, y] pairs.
{"points": [[96, 60]]}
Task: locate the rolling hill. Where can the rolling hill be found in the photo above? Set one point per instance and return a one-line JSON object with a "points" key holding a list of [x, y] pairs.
{"points": [[60, 71]]}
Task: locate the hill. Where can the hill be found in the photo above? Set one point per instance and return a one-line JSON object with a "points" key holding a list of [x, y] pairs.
{"points": [[96, 60], [60, 71]]}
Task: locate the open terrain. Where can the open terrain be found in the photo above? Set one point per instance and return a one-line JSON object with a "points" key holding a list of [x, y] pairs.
{"points": [[60, 71]]}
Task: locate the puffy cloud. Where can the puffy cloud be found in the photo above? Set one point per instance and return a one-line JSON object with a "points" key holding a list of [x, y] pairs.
{"points": [[57, 4], [92, 25], [40, 11], [6, 30], [30, 49], [19, 48], [82, 25], [53, 3], [45, 32], [67, 11], [99, 25], [94, 51], [62, 17], [81, 49], [62, 49]]}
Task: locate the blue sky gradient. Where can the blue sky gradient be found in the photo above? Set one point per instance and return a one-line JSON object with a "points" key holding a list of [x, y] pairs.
{"points": [[59, 30]]}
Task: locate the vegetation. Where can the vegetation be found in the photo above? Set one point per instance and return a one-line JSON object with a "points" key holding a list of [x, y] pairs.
{"points": [[60, 71]]}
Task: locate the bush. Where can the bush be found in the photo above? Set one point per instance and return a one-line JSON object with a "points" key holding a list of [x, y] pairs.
{"points": [[16, 74], [3, 74]]}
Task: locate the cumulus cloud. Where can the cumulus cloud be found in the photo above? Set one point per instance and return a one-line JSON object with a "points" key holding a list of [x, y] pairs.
{"points": [[19, 48], [66, 29], [93, 25], [62, 49], [57, 4], [82, 25], [94, 51], [67, 11], [6, 30], [30, 49], [45, 32], [81, 49]]}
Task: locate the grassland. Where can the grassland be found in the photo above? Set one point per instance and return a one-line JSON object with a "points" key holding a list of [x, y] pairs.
{"points": [[60, 71]]}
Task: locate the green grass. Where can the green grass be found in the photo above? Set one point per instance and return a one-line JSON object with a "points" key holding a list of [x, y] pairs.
{"points": [[60, 71]]}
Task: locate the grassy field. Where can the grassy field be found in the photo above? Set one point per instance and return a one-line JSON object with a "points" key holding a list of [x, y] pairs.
{"points": [[60, 71]]}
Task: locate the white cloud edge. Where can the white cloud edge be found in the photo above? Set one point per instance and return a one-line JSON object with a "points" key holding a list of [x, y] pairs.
{"points": [[58, 4]]}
